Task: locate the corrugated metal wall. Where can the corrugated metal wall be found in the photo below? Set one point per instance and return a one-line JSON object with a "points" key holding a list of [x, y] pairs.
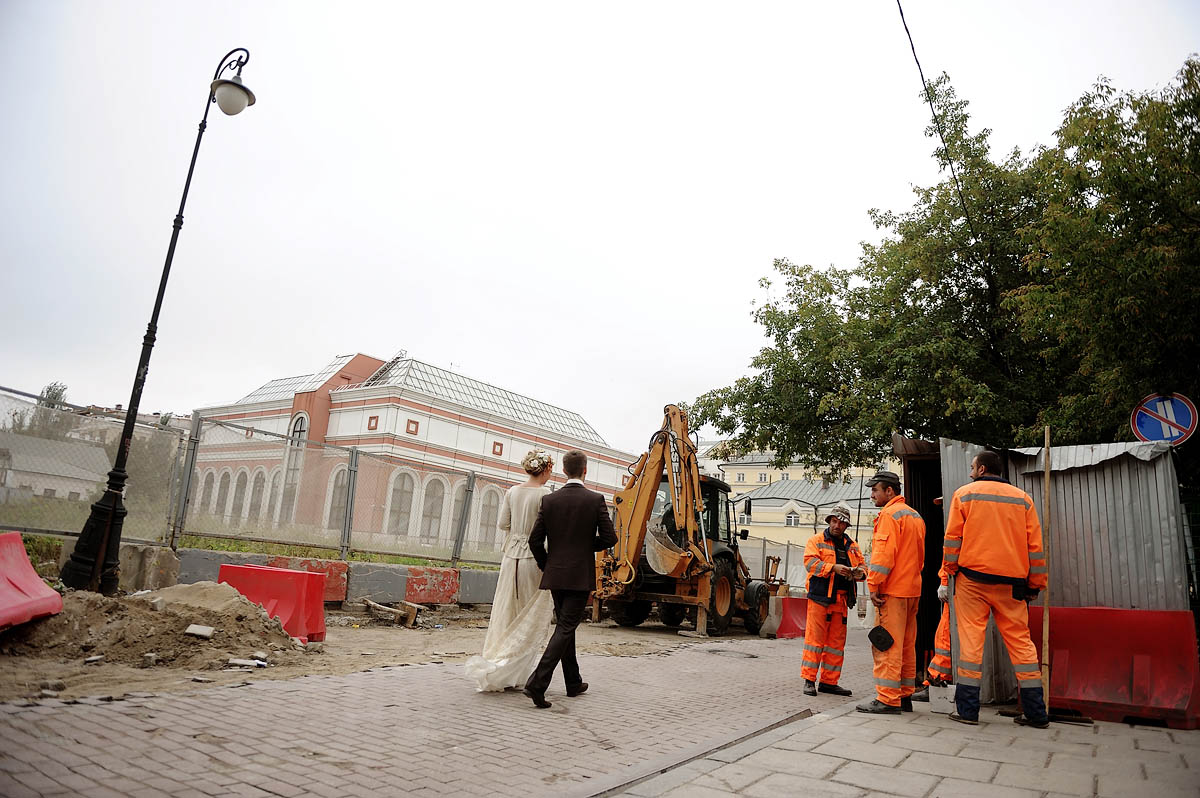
{"points": [[1116, 531], [1116, 528]]}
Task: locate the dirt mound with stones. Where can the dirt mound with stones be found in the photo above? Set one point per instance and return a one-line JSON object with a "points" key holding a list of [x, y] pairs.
{"points": [[124, 630]]}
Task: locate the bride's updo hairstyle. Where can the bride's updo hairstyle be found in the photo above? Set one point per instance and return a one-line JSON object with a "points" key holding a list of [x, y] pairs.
{"points": [[537, 462]]}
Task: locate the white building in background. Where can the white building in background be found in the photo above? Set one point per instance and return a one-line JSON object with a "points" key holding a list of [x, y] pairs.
{"points": [[424, 428]]}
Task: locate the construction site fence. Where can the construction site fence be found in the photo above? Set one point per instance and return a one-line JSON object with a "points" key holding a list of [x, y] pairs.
{"points": [[216, 479], [54, 462]]}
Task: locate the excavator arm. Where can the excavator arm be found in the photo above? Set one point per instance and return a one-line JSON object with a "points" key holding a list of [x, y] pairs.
{"points": [[670, 448]]}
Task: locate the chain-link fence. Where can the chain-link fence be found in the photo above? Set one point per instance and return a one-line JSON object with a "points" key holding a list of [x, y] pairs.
{"points": [[55, 458], [250, 484]]}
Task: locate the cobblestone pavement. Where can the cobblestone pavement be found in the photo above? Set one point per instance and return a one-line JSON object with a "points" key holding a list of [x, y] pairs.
{"points": [[845, 753], [417, 730]]}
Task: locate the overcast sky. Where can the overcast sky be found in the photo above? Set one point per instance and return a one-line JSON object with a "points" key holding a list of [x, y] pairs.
{"points": [[572, 201]]}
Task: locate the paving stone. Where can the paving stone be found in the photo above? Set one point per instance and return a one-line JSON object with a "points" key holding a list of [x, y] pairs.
{"points": [[776, 760], [1110, 786], [1111, 765], [732, 778], [781, 784], [932, 744], [673, 778], [956, 788], [875, 753], [952, 766], [999, 752], [891, 780], [1052, 779]]}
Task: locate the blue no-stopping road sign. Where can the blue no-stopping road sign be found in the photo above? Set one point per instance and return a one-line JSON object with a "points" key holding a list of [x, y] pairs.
{"points": [[1171, 419]]}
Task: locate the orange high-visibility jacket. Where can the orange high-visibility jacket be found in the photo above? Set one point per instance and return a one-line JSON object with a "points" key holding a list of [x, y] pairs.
{"points": [[994, 529], [897, 551], [819, 558]]}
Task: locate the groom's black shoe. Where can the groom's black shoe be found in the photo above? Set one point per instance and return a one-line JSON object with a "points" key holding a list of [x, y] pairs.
{"points": [[539, 698], [577, 690]]}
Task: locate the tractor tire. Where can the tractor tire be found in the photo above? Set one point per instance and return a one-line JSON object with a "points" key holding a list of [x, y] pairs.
{"points": [[628, 613], [672, 614], [721, 606], [759, 599]]}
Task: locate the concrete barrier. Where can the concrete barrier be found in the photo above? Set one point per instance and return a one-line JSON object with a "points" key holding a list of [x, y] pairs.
{"points": [[143, 566], [203, 565], [431, 585], [476, 587], [377, 581]]}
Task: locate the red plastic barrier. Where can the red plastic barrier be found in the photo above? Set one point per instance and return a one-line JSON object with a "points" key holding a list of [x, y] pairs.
{"points": [[23, 594], [335, 573], [794, 618], [1115, 664], [294, 597]]}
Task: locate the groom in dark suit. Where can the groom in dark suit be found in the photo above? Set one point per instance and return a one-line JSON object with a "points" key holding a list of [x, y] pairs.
{"points": [[576, 522]]}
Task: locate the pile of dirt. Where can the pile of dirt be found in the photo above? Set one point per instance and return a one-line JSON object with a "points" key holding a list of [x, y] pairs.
{"points": [[125, 629]]}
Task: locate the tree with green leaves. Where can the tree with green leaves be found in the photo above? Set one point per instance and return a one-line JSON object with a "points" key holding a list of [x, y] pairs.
{"points": [[49, 418], [1049, 299]]}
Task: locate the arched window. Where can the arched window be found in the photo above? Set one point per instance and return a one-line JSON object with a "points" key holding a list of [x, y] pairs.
{"points": [[222, 494], [256, 497], [402, 500], [460, 504], [291, 476], [431, 513], [489, 515], [337, 501], [206, 492], [239, 497], [273, 496]]}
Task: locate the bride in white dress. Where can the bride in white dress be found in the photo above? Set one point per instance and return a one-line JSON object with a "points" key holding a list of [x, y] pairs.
{"points": [[521, 613]]}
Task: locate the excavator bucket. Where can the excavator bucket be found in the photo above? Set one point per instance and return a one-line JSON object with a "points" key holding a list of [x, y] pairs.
{"points": [[663, 554]]}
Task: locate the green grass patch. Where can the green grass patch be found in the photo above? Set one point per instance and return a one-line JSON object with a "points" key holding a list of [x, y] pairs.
{"points": [[309, 552]]}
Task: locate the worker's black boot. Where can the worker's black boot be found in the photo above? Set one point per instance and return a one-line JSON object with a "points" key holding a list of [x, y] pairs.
{"points": [[921, 695], [833, 689], [906, 704], [1034, 705], [877, 707], [810, 688]]}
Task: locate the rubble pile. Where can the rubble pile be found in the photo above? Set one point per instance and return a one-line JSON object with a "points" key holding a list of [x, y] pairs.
{"points": [[128, 630]]}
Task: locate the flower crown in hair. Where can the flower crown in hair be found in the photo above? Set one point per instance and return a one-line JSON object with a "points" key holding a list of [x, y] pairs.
{"points": [[538, 460]]}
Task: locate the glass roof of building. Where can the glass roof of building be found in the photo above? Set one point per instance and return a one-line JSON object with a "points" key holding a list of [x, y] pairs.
{"points": [[283, 388], [317, 380], [446, 385]]}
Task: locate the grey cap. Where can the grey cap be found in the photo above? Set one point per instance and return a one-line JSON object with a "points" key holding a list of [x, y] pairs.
{"points": [[840, 511], [884, 478]]}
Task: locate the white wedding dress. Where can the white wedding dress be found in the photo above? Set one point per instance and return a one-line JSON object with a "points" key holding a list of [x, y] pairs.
{"points": [[521, 618]]}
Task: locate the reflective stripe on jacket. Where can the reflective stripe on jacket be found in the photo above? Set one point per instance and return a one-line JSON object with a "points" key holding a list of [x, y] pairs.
{"points": [[820, 555], [994, 528], [897, 551]]}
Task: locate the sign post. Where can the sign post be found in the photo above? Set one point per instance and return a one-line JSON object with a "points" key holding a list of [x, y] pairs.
{"points": [[1170, 419]]}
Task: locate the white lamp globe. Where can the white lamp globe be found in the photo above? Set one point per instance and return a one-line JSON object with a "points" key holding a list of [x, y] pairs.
{"points": [[232, 96]]}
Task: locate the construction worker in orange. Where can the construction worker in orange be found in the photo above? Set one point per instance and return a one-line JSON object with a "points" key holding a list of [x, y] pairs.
{"points": [[994, 545], [894, 579], [834, 564], [939, 670]]}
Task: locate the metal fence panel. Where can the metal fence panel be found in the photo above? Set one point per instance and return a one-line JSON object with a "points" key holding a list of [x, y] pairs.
{"points": [[54, 463]]}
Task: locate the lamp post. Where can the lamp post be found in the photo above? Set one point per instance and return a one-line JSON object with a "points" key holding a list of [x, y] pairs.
{"points": [[94, 565]]}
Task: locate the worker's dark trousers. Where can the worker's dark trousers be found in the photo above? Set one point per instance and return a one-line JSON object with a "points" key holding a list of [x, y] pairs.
{"points": [[1033, 703], [569, 606]]}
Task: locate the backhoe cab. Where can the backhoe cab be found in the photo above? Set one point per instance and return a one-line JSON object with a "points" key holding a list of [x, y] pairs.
{"points": [[676, 546]]}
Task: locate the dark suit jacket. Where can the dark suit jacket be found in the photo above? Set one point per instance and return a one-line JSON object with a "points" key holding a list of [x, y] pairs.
{"points": [[575, 522]]}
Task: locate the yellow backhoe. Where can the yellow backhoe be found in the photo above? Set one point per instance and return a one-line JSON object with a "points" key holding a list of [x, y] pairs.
{"points": [[676, 546]]}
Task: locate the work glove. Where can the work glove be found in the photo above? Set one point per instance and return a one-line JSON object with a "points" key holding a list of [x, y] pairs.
{"points": [[943, 593], [1031, 594]]}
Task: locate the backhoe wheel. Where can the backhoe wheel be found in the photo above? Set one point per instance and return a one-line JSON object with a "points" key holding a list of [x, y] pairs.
{"points": [[759, 599], [672, 614], [721, 606], [628, 613]]}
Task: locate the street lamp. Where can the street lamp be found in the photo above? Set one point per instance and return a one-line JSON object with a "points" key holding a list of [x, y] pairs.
{"points": [[95, 563]]}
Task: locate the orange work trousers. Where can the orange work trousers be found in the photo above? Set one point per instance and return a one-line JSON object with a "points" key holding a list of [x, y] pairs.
{"points": [[940, 666], [825, 640], [973, 602], [896, 669]]}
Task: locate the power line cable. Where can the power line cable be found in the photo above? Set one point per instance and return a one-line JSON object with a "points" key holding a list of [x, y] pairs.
{"points": [[937, 123]]}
